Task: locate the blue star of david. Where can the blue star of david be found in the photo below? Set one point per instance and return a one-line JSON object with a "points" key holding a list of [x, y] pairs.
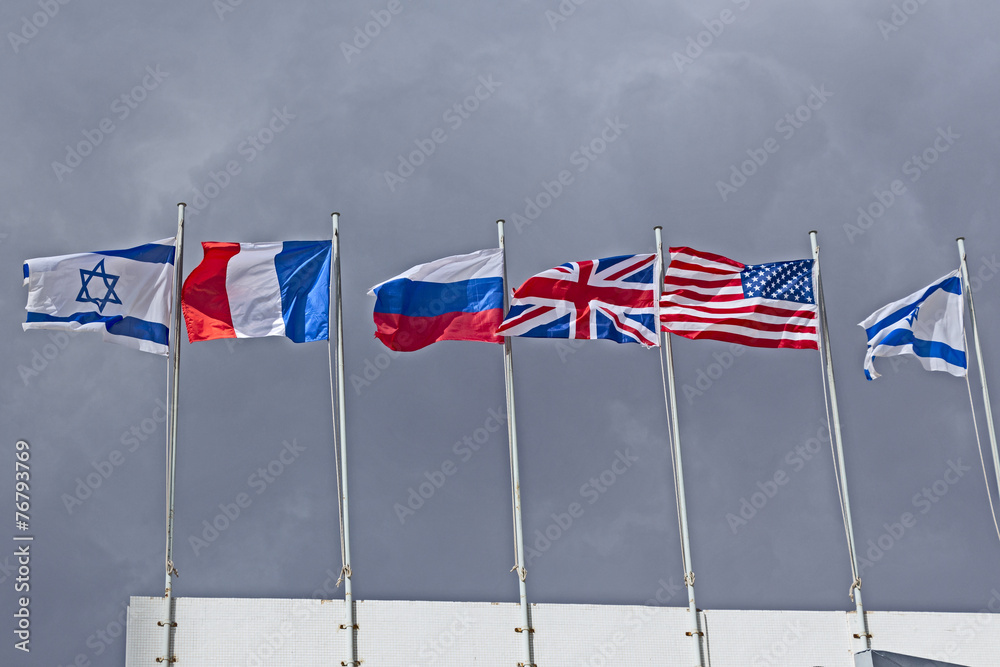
{"points": [[913, 316], [109, 283]]}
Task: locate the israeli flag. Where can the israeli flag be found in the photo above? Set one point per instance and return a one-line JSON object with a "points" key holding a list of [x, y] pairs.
{"points": [[125, 294], [928, 324]]}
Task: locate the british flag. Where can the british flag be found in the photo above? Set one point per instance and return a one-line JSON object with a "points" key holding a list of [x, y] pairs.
{"points": [[609, 298]]}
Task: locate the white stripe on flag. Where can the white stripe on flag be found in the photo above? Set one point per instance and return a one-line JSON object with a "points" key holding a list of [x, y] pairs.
{"points": [[486, 263], [254, 292]]}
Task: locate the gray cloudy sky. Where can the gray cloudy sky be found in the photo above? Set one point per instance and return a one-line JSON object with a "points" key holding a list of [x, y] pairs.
{"points": [[264, 118]]}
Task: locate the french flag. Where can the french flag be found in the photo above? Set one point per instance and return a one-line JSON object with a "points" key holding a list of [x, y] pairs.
{"points": [[251, 290], [453, 298]]}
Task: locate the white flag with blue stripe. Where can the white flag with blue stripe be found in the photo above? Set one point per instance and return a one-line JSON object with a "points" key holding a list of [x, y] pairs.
{"points": [[929, 324], [125, 294]]}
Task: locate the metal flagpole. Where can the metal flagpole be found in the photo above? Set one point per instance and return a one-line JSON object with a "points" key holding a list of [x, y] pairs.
{"points": [[349, 624], [695, 632], [522, 573], [838, 439], [988, 407], [175, 354]]}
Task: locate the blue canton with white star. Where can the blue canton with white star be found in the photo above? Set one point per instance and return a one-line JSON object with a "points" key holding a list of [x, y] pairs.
{"points": [[786, 281], [109, 285]]}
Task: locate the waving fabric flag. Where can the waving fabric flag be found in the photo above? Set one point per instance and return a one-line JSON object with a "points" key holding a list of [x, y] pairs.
{"points": [[929, 324], [251, 290], [611, 298], [453, 298], [760, 305], [125, 294]]}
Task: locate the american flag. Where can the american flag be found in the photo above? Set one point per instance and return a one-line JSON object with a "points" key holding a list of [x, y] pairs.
{"points": [[761, 305], [609, 298]]}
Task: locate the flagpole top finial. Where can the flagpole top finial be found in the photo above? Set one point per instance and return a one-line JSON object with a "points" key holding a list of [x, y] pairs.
{"points": [[180, 203], [501, 221], [336, 214], [813, 231], [660, 227], [960, 238]]}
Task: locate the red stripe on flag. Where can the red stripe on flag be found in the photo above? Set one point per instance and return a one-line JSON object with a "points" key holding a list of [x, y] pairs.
{"points": [[405, 333], [204, 299], [710, 256], [707, 284], [738, 322], [749, 340], [756, 310], [698, 296]]}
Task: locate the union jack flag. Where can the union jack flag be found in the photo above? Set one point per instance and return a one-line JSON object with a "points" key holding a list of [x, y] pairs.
{"points": [[609, 298]]}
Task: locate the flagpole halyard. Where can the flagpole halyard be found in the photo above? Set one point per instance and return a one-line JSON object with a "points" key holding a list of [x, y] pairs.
{"points": [[175, 359], [346, 571], [826, 359], [695, 632], [522, 573], [987, 406]]}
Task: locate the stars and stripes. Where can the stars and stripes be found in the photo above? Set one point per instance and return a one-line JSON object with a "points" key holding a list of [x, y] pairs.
{"points": [[609, 298], [761, 305]]}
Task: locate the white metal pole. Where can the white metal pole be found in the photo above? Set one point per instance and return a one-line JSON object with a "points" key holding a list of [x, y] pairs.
{"points": [[695, 632], [175, 355], [348, 595], [987, 406], [522, 573], [862, 622]]}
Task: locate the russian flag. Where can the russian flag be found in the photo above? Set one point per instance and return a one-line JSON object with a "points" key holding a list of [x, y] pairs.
{"points": [[250, 290], [453, 298]]}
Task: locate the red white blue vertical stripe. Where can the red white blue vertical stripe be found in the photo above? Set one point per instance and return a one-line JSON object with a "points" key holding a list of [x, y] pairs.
{"points": [[611, 298], [251, 290]]}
